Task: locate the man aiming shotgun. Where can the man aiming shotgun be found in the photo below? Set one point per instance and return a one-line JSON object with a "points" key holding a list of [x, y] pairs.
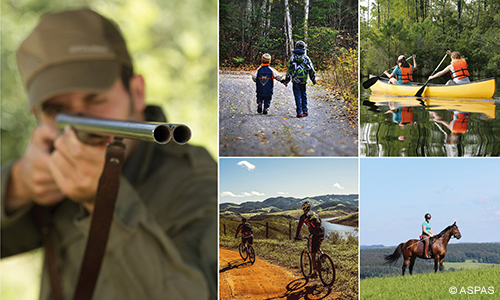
{"points": [[163, 238]]}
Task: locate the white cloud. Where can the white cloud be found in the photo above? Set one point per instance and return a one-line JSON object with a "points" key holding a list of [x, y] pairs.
{"points": [[492, 208], [497, 213], [246, 164], [282, 193], [243, 194], [337, 185]]}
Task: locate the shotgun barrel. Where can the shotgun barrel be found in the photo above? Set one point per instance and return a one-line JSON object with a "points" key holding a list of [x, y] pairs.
{"points": [[91, 128]]}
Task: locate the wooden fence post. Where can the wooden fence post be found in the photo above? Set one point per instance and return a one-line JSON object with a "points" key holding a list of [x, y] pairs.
{"points": [[289, 230], [224, 229], [267, 230]]}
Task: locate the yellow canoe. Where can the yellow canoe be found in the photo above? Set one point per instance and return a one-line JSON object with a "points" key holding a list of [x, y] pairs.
{"points": [[484, 106], [477, 89]]}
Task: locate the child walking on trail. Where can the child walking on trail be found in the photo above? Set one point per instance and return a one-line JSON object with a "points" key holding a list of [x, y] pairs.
{"points": [[264, 79], [299, 67]]}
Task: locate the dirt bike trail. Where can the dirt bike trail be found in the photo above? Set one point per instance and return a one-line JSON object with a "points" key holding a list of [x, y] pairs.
{"points": [[243, 132], [238, 280]]}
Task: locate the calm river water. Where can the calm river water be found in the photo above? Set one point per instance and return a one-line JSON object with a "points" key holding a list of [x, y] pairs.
{"points": [[336, 227], [410, 126]]}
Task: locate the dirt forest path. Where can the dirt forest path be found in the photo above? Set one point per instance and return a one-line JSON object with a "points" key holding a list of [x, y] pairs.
{"points": [[239, 280], [244, 132]]}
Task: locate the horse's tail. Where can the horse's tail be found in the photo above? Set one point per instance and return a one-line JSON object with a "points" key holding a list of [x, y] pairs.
{"points": [[393, 258]]}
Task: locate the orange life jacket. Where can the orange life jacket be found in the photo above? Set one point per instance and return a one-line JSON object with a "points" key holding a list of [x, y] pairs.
{"points": [[406, 74], [460, 66], [407, 115], [461, 123]]}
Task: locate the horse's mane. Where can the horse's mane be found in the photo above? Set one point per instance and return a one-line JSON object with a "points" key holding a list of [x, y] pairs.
{"points": [[437, 236]]}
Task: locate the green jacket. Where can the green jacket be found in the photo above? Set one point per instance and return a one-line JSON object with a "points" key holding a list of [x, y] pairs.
{"points": [[163, 239]]}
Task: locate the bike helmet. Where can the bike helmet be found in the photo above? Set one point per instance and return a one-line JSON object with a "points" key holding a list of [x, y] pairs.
{"points": [[427, 216], [306, 206], [243, 220], [300, 45]]}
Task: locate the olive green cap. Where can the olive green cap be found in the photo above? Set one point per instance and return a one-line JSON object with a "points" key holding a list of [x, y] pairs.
{"points": [[70, 51]]}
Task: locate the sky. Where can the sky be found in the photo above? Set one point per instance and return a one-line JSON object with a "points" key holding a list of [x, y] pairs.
{"points": [[396, 193], [257, 179]]}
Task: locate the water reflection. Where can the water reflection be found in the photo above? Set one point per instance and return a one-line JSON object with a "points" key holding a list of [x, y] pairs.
{"points": [[409, 126]]}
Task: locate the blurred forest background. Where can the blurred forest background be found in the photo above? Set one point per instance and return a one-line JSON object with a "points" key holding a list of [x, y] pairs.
{"points": [[250, 28], [429, 28], [173, 45]]}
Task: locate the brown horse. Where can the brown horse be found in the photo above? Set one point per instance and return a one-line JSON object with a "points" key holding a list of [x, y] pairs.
{"points": [[410, 251]]}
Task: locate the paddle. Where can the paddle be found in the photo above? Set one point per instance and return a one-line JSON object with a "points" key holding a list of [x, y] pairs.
{"points": [[367, 84], [421, 90]]}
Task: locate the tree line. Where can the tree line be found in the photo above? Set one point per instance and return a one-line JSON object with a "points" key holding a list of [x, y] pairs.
{"points": [[247, 29], [372, 263], [429, 28]]}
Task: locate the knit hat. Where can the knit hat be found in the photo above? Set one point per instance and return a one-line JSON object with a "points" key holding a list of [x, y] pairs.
{"points": [[266, 58], [71, 51]]}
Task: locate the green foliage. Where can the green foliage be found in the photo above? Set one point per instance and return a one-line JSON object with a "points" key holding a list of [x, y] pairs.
{"points": [[343, 77], [173, 44], [251, 28], [428, 31], [436, 284]]}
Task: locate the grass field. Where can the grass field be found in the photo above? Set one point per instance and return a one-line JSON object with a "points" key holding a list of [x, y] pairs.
{"points": [[465, 284], [468, 265]]}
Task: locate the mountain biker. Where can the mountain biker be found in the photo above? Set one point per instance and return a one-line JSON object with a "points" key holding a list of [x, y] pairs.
{"points": [[246, 232], [427, 234], [317, 232]]}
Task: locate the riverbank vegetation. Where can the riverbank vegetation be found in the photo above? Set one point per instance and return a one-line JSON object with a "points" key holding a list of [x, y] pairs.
{"points": [[427, 29]]}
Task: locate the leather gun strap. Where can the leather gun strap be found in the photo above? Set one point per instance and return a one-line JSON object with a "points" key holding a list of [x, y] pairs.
{"points": [[42, 219], [101, 221]]}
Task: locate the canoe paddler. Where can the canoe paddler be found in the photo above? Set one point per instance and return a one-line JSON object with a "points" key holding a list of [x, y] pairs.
{"points": [[403, 73], [457, 68]]}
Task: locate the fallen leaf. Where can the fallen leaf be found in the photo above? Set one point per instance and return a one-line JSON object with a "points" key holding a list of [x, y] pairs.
{"points": [[238, 138]]}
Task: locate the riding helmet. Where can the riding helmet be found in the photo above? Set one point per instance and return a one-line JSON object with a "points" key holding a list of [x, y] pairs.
{"points": [[306, 206], [427, 216]]}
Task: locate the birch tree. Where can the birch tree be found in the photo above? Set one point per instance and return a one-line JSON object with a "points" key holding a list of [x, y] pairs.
{"points": [[288, 31], [306, 18]]}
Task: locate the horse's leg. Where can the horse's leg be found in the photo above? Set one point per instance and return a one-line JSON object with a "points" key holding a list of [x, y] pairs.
{"points": [[436, 259], [405, 263], [412, 262], [441, 264]]}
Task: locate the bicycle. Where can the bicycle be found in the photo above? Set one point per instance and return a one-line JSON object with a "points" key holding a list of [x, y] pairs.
{"points": [[247, 251], [324, 264]]}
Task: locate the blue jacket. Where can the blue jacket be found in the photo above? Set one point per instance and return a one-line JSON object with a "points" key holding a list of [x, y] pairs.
{"points": [[265, 81]]}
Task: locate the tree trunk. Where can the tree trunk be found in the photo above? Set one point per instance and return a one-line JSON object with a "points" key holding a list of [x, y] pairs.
{"points": [[378, 14], [459, 21], [416, 10], [306, 18], [478, 11], [288, 24]]}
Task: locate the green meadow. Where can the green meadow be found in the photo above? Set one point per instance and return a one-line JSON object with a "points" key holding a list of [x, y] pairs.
{"points": [[483, 283]]}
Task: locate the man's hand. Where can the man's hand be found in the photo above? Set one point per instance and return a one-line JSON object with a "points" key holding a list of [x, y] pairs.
{"points": [[31, 179], [76, 167]]}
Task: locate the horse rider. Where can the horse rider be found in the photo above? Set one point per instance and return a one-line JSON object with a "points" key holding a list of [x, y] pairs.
{"points": [[427, 234]]}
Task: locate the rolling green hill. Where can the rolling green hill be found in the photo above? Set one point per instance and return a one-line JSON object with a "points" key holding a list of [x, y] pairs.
{"points": [[326, 205]]}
